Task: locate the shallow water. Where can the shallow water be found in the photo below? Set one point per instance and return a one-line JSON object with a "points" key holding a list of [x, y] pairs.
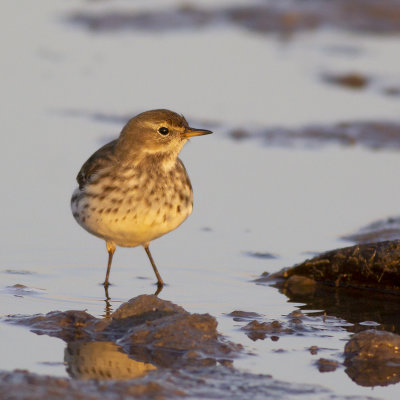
{"points": [[249, 197]]}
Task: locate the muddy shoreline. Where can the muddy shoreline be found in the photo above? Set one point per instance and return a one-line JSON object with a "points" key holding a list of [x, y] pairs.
{"points": [[285, 17]]}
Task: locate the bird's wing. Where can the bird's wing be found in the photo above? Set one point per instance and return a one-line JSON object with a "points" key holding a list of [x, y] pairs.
{"points": [[101, 159]]}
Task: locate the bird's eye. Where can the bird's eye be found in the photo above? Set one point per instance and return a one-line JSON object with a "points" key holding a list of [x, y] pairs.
{"points": [[163, 130]]}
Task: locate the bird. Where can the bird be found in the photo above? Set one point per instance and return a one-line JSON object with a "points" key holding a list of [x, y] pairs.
{"points": [[135, 188]]}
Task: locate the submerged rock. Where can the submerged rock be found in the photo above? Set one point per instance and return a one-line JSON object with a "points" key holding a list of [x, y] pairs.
{"points": [[372, 358], [239, 315], [326, 365], [368, 266], [258, 330]]}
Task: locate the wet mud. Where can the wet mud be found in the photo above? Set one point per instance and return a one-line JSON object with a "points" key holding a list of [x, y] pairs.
{"points": [[373, 266], [374, 135], [385, 229], [378, 16], [210, 383]]}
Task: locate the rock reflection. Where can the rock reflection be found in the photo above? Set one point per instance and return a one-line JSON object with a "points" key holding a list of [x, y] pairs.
{"points": [[353, 305], [372, 357], [102, 360]]}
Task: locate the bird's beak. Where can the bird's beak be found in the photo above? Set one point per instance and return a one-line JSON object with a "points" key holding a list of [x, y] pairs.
{"points": [[190, 132]]}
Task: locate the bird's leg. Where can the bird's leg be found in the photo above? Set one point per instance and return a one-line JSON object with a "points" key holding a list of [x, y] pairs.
{"points": [[160, 282], [111, 249]]}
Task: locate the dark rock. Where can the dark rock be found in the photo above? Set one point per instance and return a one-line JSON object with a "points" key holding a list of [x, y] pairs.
{"points": [[374, 345], [369, 266], [372, 358], [171, 341], [145, 306]]}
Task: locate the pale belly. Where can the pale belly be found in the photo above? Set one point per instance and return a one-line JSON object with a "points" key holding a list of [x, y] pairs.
{"points": [[132, 217]]}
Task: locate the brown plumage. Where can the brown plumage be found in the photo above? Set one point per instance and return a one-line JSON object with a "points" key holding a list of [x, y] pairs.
{"points": [[135, 189]]}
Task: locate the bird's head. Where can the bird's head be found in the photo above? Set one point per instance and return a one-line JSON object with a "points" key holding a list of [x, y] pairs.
{"points": [[157, 132]]}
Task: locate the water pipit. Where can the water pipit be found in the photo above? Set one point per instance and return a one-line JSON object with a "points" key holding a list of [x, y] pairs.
{"points": [[135, 188]]}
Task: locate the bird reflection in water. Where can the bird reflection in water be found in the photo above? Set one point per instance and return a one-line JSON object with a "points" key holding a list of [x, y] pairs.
{"points": [[102, 360]]}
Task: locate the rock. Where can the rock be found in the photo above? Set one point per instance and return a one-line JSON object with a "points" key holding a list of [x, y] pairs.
{"points": [[373, 358], [153, 332], [67, 325], [368, 266], [325, 365], [258, 330], [238, 315], [372, 345], [146, 306]]}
